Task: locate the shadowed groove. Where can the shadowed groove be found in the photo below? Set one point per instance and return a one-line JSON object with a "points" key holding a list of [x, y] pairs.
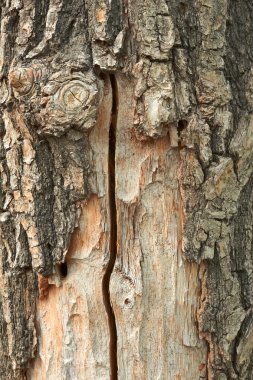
{"points": [[113, 234]]}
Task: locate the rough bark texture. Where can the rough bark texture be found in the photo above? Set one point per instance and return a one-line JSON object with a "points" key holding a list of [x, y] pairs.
{"points": [[126, 189]]}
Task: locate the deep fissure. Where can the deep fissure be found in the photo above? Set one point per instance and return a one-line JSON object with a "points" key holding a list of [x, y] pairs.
{"points": [[113, 233]]}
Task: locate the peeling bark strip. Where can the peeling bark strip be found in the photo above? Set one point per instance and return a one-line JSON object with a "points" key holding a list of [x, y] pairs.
{"points": [[175, 207], [113, 232]]}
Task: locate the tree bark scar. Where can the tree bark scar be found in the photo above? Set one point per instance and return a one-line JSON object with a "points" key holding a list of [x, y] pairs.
{"points": [[113, 233]]}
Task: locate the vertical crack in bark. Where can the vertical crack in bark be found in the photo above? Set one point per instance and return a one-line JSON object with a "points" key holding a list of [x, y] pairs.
{"points": [[113, 233]]}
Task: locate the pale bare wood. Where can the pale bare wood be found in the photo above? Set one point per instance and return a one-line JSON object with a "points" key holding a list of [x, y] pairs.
{"points": [[154, 291], [73, 336]]}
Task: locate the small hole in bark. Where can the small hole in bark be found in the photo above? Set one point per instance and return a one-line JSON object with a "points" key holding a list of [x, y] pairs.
{"points": [[2, 128], [183, 7], [9, 106], [97, 69], [63, 270], [127, 301], [181, 125]]}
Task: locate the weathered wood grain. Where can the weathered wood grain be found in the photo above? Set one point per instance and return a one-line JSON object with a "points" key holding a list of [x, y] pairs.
{"points": [[72, 328], [154, 291]]}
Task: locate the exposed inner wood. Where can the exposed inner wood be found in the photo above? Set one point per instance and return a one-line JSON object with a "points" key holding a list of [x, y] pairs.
{"points": [[153, 289], [113, 233], [72, 324]]}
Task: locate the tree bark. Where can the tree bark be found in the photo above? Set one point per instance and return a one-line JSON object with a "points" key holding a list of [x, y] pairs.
{"points": [[126, 189]]}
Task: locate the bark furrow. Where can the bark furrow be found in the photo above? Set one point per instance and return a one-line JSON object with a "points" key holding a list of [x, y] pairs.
{"points": [[113, 232]]}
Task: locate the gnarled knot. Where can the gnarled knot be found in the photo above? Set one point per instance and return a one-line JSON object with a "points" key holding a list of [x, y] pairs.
{"points": [[23, 79], [72, 96], [68, 101]]}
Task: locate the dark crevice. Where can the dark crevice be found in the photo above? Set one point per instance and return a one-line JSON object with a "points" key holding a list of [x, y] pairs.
{"points": [[181, 126], [63, 270], [239, 255], [11, 30], [113, 233], [242, 333], [39, 23]]}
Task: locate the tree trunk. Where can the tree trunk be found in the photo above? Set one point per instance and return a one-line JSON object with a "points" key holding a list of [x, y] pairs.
{"points": [[126, 190]]}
